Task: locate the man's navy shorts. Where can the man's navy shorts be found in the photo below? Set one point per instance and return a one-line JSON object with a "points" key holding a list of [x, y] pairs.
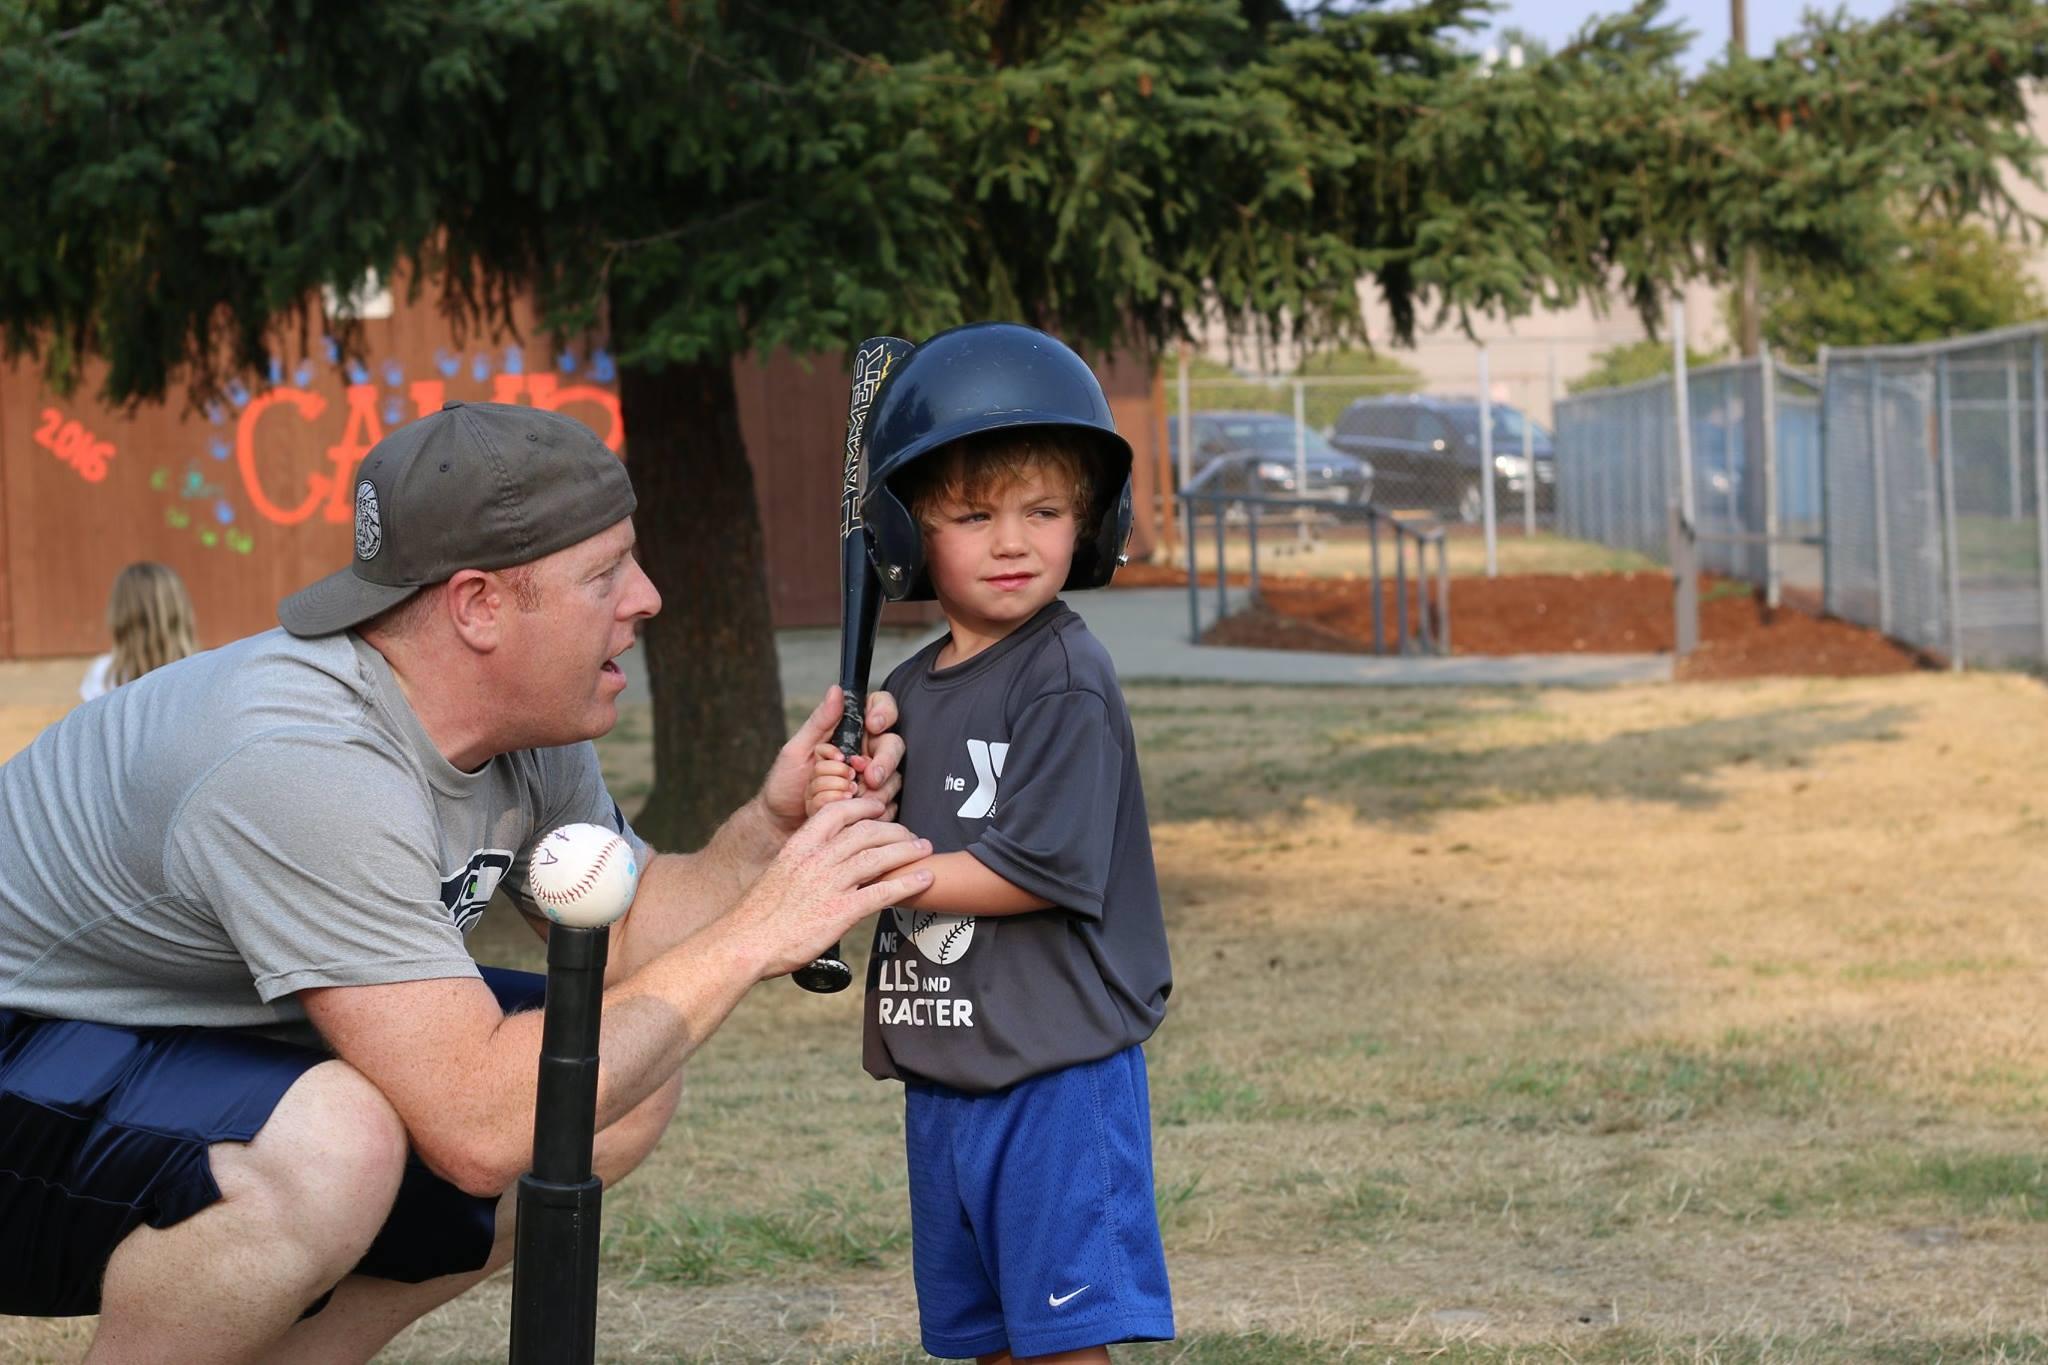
{"points": [[103, 1129], [1032, 1223]]}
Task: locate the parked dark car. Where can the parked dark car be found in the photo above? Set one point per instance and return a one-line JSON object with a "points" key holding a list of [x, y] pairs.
{"points": [[1238, 452], [1425, 453]]}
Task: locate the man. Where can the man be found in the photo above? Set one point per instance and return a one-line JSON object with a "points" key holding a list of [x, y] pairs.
{"points": [[256, 1099]]}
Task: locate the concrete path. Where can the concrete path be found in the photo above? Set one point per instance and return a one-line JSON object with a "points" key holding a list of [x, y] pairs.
{"points": [[1146, 632]]}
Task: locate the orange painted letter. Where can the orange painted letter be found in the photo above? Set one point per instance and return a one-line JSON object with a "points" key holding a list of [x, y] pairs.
{"points": [[309, 406]]}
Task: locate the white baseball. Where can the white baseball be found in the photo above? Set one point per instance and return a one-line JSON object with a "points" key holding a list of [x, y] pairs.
{"points": [[939, 938], [582, 875]]}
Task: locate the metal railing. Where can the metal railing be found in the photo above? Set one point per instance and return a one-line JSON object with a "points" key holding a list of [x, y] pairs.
{"points": [[1422, 603]]}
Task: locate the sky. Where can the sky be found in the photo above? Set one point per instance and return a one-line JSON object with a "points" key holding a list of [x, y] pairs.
{"points": [[1555, 21]]}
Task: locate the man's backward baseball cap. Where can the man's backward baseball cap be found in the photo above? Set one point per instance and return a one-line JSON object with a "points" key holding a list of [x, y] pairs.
{"points": [[473, 486]]}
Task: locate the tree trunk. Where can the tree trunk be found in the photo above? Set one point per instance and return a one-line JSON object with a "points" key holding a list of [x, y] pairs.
{"points": [[711, 663]]}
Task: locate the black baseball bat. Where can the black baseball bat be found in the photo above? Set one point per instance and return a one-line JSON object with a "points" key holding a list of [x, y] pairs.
{"points": [[555, 1243], [860, 598]]}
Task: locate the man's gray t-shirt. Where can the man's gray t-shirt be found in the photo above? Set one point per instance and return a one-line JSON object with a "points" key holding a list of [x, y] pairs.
{"points": [[1022, 756], [199, 844]]}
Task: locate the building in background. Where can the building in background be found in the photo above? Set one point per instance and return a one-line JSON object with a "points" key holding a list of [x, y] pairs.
{"points": [[1524, 356]]}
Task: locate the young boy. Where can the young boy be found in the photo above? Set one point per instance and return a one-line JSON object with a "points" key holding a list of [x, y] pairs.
{"points": [[1011, 996]]}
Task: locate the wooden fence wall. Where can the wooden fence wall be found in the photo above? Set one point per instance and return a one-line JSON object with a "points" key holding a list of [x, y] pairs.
{"points": [[250, 498]]}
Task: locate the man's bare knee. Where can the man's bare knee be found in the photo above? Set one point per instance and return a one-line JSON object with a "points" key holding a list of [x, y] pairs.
{"points": [[300, 1203], [327, 1163]]}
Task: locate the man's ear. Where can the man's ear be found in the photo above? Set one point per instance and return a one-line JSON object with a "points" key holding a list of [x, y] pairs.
{"points": [[476, 604]]}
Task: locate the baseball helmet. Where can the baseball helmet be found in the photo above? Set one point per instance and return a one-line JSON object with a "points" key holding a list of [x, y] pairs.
{"points": [[987, 376]]}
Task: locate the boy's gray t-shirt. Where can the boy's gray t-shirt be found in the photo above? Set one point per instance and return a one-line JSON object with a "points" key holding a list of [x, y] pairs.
{"points": [[1022, 756], [199, 844]]}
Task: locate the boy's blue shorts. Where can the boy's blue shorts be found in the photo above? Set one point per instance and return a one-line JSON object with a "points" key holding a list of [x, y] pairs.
{"points": [[1031, 1215], [104, 1128]]}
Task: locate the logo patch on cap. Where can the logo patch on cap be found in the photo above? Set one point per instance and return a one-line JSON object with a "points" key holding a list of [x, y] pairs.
{"points": [[369, 522]]}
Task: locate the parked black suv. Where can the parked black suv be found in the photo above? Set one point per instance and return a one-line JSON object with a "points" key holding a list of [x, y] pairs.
{"points": [[1425, 453]]}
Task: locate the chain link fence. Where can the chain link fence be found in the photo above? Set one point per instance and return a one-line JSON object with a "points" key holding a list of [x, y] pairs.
{"points": [[1903, 487], [1936, 456], [1617, 461], [1900, 488], [1756, 470]]}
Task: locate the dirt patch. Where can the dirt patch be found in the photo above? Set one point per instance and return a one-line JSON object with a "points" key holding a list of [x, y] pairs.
{"points": [[1141, 575], [1620, 613], [1264, 629]]}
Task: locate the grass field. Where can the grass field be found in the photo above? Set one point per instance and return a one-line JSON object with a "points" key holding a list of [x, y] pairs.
{"points": [[1659, 1025]]}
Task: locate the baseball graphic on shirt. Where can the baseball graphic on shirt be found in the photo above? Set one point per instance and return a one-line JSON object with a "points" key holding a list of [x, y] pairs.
{"points": [[942, 939], [582, 875]]}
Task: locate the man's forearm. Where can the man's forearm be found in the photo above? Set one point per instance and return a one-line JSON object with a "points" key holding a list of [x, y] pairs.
{"points": [[462, 1074], [681, 893], [742, 848], [657, 1017], [653, 1021]]}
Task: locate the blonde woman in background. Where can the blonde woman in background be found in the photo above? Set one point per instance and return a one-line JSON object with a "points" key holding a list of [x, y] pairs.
{"points": [[149, 615]]}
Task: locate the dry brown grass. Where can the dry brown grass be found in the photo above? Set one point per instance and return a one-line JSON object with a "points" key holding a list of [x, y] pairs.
{"points": [[1657, 1024]]}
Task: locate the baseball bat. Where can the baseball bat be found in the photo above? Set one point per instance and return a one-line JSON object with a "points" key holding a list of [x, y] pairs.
{"points": [[555, 1242], [860, 598]]}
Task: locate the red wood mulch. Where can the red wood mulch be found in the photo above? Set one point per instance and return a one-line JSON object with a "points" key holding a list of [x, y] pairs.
{"points": [[1612, 613]]}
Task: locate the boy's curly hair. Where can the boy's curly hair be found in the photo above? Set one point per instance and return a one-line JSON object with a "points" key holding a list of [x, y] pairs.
{"points": [[974, 467]]}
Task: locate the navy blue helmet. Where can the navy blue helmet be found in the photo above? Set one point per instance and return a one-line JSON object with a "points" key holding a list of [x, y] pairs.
{"points": [[987, 376]]}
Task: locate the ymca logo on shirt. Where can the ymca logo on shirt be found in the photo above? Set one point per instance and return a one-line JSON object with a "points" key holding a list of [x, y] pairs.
{"points": [[987, 759], [468, 891]]}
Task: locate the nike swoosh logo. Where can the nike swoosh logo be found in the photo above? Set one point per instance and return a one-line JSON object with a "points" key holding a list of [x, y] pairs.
{"points": [[1055, 1300]]}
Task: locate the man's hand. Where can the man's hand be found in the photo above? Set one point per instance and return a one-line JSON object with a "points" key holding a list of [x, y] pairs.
{"points": [[681, 893], [835, 870], [783, 794]]}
